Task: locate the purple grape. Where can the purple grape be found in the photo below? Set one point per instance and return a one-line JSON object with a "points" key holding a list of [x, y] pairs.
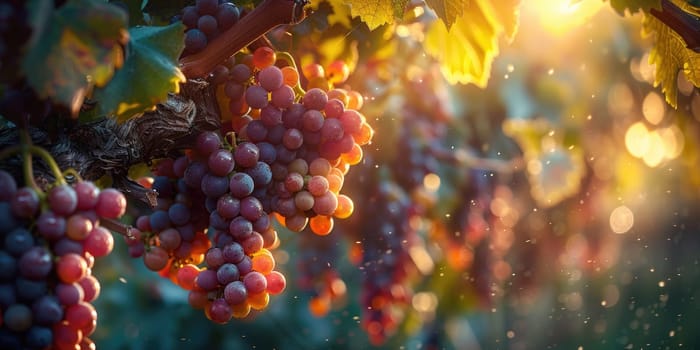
{"points": [[207, 279], [8, 186], [270, 78], [221, 162], [179, 214], [47, 310], [251, 208], [35, 263], [271, 116], [25, 203], [233, 253], [228, 207], [260, 173], [282, 97], [215, 186], [235, 293], [195, 40], [18, 241], [190, 16], [240, 73], [241, 185], [255, 282], [227, 273], [208, 25], [256, 97], [214, 258], [256, 131], [51, 226], [315, 98], [227, 15], [240, 228], [207, 142]]}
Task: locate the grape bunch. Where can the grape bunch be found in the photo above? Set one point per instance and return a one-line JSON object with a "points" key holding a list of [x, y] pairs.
{"points": [[210, 214], [205, 21], [386, 261], [47, 250], [309, 139]]}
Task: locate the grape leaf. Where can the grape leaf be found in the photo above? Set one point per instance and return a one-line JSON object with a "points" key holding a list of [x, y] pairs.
{"points": [[671, 55], [468, 48], [377, 12], [341, 13], [634, 6], [149, 73], [79, 45], [448, 10]]}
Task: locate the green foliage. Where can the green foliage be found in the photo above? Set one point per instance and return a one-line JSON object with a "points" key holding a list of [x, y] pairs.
{"points": [[78, 46], [149, 73]]}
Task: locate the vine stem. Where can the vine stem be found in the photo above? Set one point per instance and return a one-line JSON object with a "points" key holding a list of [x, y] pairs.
{"points": [[117, 226], [269, 14], [686, 25]]}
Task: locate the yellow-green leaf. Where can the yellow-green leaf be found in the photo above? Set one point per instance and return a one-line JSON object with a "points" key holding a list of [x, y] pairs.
{"points": [[448, 10], [377, 12], [341, 13], [80, 46], [633, 6], [671, 55], [150, 72], [467, 49]]}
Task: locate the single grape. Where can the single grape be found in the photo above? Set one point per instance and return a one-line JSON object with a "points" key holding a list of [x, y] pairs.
{"points": [[315, 98], [263, 57], [35, 263], [270, 78], [282, 97], [111, 204], [8, 186], [235, 293], [195, 40], [208, 25], [227, 15], [256, 96], [25, 203]]}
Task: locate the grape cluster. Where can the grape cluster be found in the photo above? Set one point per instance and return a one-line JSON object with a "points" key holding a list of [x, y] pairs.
{"points": [[210, 213], [309, 140], [47, 251], [205, 21], [385, 261]]}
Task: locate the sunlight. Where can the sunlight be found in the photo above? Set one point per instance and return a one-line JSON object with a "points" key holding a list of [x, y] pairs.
{"points": [[561, 16]]}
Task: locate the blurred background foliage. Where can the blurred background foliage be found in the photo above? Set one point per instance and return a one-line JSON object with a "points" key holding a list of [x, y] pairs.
{"points": [[554, 209]]}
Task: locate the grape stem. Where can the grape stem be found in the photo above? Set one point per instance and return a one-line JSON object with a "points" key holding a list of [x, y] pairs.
{"points": [[117, 226], [269, 14], [285, 56]]}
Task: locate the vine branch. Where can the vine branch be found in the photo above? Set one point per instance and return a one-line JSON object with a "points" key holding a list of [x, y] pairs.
{"points": [[683, 23], [269, 14]]}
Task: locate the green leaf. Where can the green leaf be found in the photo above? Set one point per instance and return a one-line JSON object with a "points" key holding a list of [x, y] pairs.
{"points": [[448, 10], [150, 72], [634, 6], [80, 45], [165, 8], [467, 49], [670, 54], [377, 12]]}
